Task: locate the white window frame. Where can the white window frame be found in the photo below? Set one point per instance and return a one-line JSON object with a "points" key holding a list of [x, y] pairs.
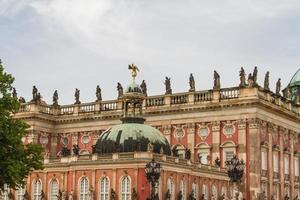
{"points": [[84, 188], [296, 166], [264, 159], [125, 188], [286, 164], [170, 185], [195, 189], [5, 192], [54, 191], [214, 192], [205, 191], [182, 189], [275, 161], [104, 188], [37, 189], [20, 193]]}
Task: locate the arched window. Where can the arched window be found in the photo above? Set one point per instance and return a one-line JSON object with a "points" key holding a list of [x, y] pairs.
{"points": [[20, 193], [205, 191], [37, 190], [84, 189], [214, 192], [182, 189], [194, 189], [104, 188], [53, 189], [170, 184], [125, 188], [4, 193]]}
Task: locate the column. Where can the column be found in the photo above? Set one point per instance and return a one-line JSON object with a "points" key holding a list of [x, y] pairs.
{"points": [[281, 164], [270, 161], [292, 164], [254, 173], [242, 125]]}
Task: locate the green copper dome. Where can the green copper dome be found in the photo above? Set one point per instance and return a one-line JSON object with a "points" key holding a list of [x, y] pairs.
{"points": [[132, 135], [295, 81]]}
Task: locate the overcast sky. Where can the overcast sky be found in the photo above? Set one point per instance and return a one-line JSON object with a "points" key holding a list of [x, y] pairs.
{"points": [[64, 44]]}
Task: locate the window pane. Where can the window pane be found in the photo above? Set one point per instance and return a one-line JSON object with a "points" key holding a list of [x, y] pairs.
{"points": [[53, 190]]}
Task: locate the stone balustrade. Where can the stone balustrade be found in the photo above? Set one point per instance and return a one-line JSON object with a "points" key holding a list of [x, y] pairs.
{"points": [[188, 98]]}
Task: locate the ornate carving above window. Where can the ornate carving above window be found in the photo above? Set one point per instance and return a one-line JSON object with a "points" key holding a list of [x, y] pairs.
{"points": [[44, 139], [203, 132], [179, 132], [85, 139], [64, 141], [228, 130]]}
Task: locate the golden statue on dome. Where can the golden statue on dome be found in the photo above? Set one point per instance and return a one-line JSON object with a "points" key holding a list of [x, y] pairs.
{"points": [[134, 70]]}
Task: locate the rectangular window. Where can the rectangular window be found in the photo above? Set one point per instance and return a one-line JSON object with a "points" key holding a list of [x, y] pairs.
{"points": [[296, 166], [286, 164], [229, 155], [203, 157], [275, 162], [264, 164]]}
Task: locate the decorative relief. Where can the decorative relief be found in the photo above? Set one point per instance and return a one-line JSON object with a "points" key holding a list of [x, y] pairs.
{"points": [[253, 123], [167, 129], [203, 131], [229, 129], [216, 126], [191, 128], [44, 139], [242, 124], [263, 128], [85, 139], [64, 140], [74, 138], [179, 132]]}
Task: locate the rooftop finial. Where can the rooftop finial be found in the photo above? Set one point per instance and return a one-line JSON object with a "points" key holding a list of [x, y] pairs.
{"points": [[134, 70]]}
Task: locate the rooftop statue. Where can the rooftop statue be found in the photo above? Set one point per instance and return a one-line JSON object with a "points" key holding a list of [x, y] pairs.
{"points": [[22, 100], [77, 95], [134, 70], [255, 75], [250, 80], [278, 87], [98, 93], [217, 84], [267, 82], [144, 87], [34, 93], [120, 90], [168, 85], [287, 93], [55, 98], [242, 77], [14, 93], [192, 83]]}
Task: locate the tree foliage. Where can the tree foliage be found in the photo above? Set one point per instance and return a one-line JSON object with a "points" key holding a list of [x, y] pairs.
{"points": [[16, 159]]}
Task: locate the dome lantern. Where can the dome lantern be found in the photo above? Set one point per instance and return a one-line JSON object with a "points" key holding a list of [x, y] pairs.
{"points": [[132, 135]]}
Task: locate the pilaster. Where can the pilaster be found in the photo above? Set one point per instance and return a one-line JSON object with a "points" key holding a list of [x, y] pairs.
{"points": [[191, 139], [215, 140], [254, 158]]}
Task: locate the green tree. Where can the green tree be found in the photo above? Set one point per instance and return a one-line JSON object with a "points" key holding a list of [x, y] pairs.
{"points": [[16, 159]]}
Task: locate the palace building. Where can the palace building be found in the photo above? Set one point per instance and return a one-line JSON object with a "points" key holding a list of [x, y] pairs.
{"points": [[99, 150]]}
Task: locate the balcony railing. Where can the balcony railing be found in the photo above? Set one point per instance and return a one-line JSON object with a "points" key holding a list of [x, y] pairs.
{"points": [[188, 98], [203, 96], [229, 93], [179, 99]]}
